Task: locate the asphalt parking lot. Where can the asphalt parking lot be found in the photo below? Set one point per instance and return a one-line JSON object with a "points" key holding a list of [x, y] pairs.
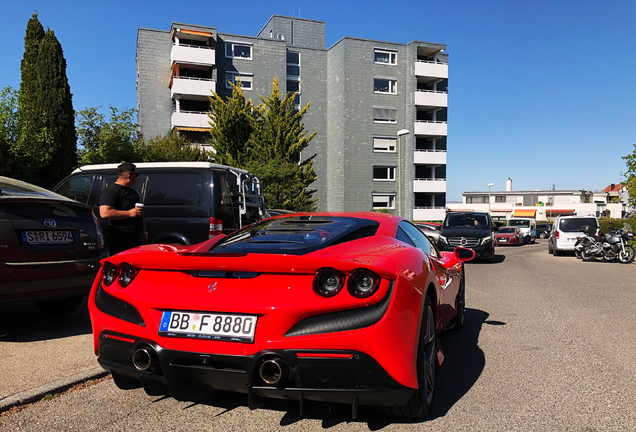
{"points": [[548, 345]]}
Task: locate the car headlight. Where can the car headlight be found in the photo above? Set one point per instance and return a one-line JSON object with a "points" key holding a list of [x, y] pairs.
{"points": [[443, 239], [486, 240]]}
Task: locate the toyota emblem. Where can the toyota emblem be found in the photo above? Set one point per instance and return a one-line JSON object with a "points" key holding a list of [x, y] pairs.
{"points": [[50, 223]]}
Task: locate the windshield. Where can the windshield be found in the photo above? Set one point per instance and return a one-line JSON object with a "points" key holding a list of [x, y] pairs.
{"points": [[575, 224], [296, 235], [507, 230], [519, 223], [467, 220]]}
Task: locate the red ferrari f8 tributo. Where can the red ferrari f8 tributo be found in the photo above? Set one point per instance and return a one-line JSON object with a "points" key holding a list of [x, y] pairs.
{"points": [[333, 307]]}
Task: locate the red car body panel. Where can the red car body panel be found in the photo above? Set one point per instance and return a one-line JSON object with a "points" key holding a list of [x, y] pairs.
{"points": [[282, 296], [511, 238]]}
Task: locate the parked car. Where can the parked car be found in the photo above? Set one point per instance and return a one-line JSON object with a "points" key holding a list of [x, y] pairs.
{"points": [[468, 229], [509, 236], [528, 226], [431, 230], [332, 307], [184, 202], [543, 230], [50, 247], [565, 231]]}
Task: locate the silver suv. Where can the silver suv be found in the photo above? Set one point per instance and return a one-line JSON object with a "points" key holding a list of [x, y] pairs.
{"points": [[566, 229]]}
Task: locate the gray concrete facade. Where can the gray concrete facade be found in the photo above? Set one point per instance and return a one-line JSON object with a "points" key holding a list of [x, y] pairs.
{"points": [[338, 82]]}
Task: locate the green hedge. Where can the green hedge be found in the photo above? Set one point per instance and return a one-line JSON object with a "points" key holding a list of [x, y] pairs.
{"points": [[616, 223]]}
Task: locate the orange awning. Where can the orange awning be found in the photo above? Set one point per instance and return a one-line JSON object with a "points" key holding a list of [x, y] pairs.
{"points": [[196, 32], [558, 212], [192, 129], [524, 213]]}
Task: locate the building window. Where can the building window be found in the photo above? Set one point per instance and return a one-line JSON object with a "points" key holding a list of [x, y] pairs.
{"points": [[382, 85], [384, 145], [385, 57], [477, 199], [383, 201], [384, 173], [385, 115], [247, 81], [238, 50], [293, 86], [293, 63], [500, 198]]}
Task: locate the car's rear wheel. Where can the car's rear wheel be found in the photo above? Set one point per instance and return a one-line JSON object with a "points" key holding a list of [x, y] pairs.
{"points": [[420, 404], [61, 306], [542, 235]]}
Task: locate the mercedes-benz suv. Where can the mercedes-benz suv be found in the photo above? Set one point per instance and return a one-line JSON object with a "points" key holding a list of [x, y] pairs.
{"points": [[468, 229]]}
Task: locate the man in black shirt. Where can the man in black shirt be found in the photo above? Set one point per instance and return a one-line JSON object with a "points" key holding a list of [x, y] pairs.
{"points": [[126, 227]]}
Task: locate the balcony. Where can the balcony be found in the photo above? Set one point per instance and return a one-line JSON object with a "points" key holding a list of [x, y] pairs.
{"points": [[429, 185], [430, 128], [430, 157], [431, 98], [193, 119], [429, 213], [431, 69], [192, 86], [193, 54]]}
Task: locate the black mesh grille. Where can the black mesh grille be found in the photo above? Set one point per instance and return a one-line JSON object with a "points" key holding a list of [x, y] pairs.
{"points": [[117, 308], [352, 319]]}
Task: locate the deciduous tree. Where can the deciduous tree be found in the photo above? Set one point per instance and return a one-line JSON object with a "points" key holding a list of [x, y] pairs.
{"points": [[630, 176]]}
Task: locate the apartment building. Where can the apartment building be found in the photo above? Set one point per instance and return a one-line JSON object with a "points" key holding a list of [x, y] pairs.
{"points": [[380, 108]]}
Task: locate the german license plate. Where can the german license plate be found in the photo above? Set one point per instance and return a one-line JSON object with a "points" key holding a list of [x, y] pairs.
{"points": [[47, 237], [208, 325], [503, 240]]}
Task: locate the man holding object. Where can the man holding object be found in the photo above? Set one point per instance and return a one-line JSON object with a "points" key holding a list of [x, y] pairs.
{"points": [[118, 204]]}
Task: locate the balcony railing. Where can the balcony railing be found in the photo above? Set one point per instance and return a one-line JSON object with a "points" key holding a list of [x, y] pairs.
{"points": [[434, 69], [429, 185], [432, 157], [431, 98], [429, 213], [193, 54], [430, 128], [192, 86], [196, 119]]}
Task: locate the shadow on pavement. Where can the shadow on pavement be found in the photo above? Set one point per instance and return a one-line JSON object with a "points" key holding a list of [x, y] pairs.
{"points": [[463, 364], [22, 322]]}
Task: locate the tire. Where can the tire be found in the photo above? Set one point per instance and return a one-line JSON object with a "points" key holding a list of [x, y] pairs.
{"points": [[550, 250], [419, 406], [542, 235], [586, 255], [555, 252], [577, 253], [61, 306], [626, 256], [460, 305]]}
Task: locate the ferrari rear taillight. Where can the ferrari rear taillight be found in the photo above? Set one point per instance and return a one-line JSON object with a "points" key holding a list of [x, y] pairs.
{"points": [[328, 282], [109, 273], [127, 274], [363, 283], [216, 226]]}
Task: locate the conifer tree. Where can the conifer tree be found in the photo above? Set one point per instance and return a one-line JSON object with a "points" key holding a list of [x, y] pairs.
{"points": [[231, 122], [276, 144], [29, 155], [8, 129], [56, 106]]}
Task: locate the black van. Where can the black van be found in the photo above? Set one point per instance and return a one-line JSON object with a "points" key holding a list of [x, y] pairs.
{"points": [[184, 202], [473, 230]]}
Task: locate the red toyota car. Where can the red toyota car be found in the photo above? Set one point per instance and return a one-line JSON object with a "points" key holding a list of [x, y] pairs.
{"points": [[333, 307]]}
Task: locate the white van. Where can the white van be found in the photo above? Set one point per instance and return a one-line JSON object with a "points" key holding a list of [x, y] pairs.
{"points": [[528, 226]]}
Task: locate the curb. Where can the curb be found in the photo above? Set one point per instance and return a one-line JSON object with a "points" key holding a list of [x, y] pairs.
{"points": [[59, 386]]}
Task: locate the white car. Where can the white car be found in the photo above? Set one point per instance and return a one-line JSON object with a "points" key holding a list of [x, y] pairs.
{"points": [[566, 229], [527, 226]]}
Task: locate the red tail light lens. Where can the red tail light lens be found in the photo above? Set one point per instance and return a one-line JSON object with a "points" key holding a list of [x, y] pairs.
{"points": [[556, 234], [328, 282], [127, 274], [109, 273], [216, 226], [363, 283]]}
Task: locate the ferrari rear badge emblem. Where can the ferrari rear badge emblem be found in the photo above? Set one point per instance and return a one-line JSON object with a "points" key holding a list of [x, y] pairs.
{"points": [[212, 287], [50, 223]]}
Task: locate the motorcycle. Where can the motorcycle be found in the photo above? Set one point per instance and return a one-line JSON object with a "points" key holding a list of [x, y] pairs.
{"points": [[609, 247]]}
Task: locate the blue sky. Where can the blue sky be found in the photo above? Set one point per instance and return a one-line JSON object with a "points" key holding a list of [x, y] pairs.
{"points": [[543, 92]]}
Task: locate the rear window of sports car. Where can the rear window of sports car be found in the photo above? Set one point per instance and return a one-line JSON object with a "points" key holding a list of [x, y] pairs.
{"points": [[297, 235]]}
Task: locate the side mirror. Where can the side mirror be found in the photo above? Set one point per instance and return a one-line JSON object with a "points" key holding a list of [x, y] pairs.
{"points": [[463, 254]]}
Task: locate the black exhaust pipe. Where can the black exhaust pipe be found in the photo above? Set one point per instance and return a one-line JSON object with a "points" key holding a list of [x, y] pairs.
{"points": [[144, 359], [274, 371]]}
